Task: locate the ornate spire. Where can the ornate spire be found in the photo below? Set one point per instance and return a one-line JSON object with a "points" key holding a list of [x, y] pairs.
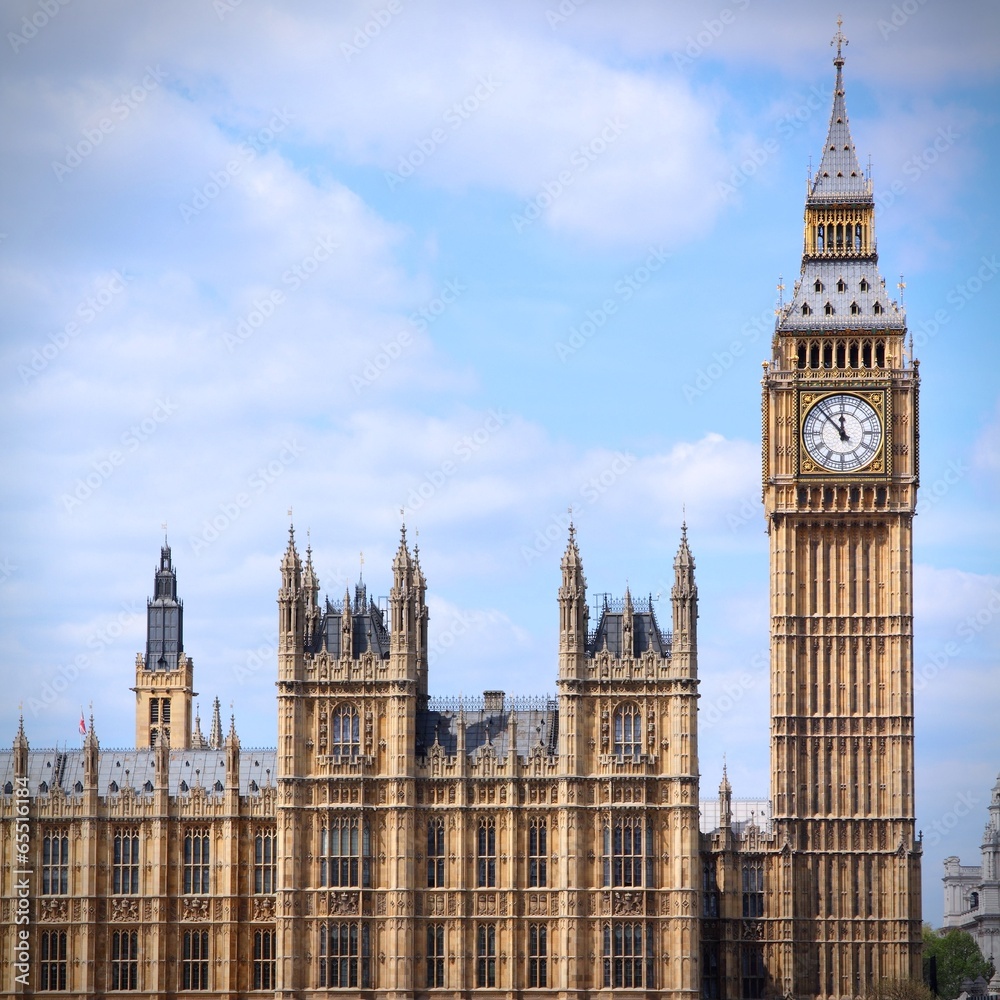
{"points": [[198, 741], [20, 740], [215, 733], [291, 566], [839, 175], [91, 738], [164, 618]]}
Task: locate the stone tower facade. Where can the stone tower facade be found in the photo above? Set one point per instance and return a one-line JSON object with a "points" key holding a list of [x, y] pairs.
{"points": [[164, 675], [498, 844], [840, 472]]}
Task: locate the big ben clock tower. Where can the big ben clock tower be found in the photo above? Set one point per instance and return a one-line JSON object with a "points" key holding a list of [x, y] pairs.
{"points": [[840, 481]]}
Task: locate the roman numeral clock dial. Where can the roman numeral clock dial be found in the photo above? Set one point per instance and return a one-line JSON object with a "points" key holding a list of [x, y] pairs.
{"points": [[842, 433]]}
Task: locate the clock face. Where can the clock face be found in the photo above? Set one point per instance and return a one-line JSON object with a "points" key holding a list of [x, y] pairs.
{"points": [[842, 433]]}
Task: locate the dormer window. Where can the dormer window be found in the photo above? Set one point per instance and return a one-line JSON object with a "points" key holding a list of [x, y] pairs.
{"points": [[841, 287], [855, 309], [878, 309], [818, 286], [806, 311], [864, 286], [828, 309]]}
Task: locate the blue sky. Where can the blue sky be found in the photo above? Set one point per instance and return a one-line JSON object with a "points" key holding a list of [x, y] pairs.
{"points": [[483, 263]]}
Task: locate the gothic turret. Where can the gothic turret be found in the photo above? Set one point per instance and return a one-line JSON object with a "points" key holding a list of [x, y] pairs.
{"points": [[310, 590], [91, 755], [164, 674], [215, 733], [291, 613], [573, 612], [232, 747], [20, 750], [684, 601]]}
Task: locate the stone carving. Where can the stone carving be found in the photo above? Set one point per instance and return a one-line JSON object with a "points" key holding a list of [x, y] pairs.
{"points": [[195, 909], [263, 908], [626, 903], [125, 910], [54, 909], [343, 903]]}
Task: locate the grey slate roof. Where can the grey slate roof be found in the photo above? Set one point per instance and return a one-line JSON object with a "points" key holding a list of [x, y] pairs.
{"points": [[646, 634], [839, 176], [369, 632], [536, 721], [136, 769], [828, 273]]}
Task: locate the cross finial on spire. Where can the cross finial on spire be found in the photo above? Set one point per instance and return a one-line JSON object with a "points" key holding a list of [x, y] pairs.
{"points": [[901, 285], [838, 39]]}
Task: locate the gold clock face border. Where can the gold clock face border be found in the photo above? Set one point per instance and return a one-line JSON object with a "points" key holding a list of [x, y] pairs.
{"points": [[878, 468]]}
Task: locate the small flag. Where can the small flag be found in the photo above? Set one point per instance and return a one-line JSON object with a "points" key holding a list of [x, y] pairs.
{"points": [[83, 725]]}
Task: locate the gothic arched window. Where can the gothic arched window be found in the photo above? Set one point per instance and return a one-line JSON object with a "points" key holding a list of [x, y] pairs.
{"points": [[628, 731], [345, 731]]}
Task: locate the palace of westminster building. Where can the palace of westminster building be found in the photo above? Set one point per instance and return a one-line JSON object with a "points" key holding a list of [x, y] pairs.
{"points": [[396, 845]]}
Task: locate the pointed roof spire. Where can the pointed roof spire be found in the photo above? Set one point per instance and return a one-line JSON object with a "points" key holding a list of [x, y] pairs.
{"points": [[91, 737], [20, 740], [724, 787], [198, 741], [684, 559], [839, 175], [215, 734], [571, 557], [402, 560], [232, 737]]}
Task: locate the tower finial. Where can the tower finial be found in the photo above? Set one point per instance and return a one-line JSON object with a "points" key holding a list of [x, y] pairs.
{"points": [[839, 40]]}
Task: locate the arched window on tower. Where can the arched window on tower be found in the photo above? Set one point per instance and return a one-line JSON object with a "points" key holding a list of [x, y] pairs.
{"points": [[345, 731], [628, 730]]}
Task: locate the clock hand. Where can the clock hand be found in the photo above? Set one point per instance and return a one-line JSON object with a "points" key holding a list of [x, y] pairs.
{"points": [[840, 427]]}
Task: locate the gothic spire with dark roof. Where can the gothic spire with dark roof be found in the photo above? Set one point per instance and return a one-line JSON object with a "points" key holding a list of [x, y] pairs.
{"points": [[839, 175]]}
